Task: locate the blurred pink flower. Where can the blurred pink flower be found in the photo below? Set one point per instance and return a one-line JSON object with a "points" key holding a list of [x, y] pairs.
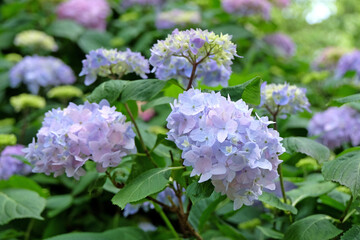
{"points": [[88, 13], [146, 115]]}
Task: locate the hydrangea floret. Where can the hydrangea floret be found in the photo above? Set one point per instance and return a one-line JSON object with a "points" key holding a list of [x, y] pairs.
{"points": [[37, 71], [282, 99], [113, 63], [336, 126], [221, 141], [88, 14], [348, 62], [36, 40], [192, 55], [70, 137], [177, 17], [10, 165], [248, 7]]}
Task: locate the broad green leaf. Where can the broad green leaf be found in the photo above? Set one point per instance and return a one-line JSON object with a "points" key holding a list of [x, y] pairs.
{"points": [[248, 91], [23, 183], [57, 204], [142, 90], [345, 170], [351, 98], [228, 230], [308, 147], [312, 227], [84, 182], [197, 191], [268, 232], [139, 90], [157, 102], [66, 29], [209, 210], [274, 201], [310, 190], [352, 234], [109, 90], [147, 183], [20, 203], [92, 40], [128, 233]]}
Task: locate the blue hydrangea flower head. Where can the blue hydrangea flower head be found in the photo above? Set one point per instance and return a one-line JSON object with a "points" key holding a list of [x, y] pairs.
{"points": [[348, 62], [70, 137], [281, 43], [36, 72], [103, 62], [10, 165], [248, 7], [283, 99], [176, 56], [332, 126], [221, 141]]}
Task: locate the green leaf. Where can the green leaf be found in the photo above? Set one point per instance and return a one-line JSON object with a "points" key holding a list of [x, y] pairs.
{"points": [[57, 204], [138, 90], [20, 203], [348, 99], [109, 90], [268, 232], [310, 190], [142, 90], [248, 91], [352, 234], [209, 210], [157, 102], [92, 40], [274, 201], [313, 227], [307, 146], [128, 233], [197, 191], [147, 183], [23, 183], [66, 29], [345, 170]]}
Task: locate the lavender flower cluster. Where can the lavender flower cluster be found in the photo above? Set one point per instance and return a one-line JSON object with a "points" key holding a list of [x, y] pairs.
{"points": [[281, 3], [248, 7], [223, 142], [70, 137], [10, 165], [281, 44], [180, 52], [36, 72], [328, 58], [348, 62], [177, 17], [113, 63], [283, 99], [332, 126], [90, 14]]}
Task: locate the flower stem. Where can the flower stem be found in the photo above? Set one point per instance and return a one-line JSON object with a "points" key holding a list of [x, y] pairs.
{"points": [[166, 220], [139, 134], [342, 218]]}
